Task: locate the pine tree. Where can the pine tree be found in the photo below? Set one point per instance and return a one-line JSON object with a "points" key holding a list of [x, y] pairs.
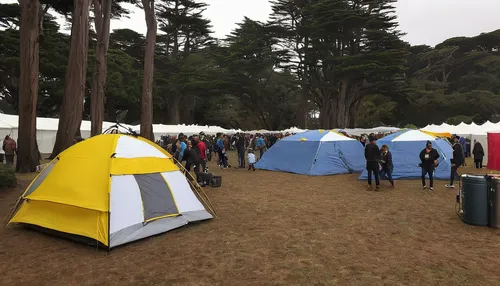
{"points": [[355, 46], [186, 33]]}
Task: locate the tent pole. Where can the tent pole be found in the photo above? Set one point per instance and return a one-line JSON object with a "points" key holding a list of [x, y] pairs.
{"points": [[315, 156], [198, 190]]}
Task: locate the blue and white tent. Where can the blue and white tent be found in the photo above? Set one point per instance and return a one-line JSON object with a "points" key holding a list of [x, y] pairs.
{"points": [[406, 146], [315, 153]]}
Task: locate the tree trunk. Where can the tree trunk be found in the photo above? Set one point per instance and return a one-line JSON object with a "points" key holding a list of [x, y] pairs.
{"points": [[302, 111], [345, 101], [173, 110], [341, 115], [27, 155], [102, 14], [326, 115], [175, 50], [110, 110], [353, 114], [70, 117], [147, 84], [187, 107]]}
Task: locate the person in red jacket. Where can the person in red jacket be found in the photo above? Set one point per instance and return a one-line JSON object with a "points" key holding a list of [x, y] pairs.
{"points": [[201, 148]]}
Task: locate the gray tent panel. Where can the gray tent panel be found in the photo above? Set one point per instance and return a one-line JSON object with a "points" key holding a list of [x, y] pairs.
{"points": [[43, 175], [157, 199], [139, 231]]}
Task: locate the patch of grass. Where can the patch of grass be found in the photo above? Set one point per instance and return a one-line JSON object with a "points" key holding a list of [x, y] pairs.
{"points": [[7, 176]]}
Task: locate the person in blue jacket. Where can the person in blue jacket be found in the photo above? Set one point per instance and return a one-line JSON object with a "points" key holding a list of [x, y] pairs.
{"points": [[183, 146], [221, 150], [261, 145]]}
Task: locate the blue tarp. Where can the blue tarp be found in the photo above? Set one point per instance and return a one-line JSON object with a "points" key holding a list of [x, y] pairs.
{"points": [[405, 156], [307, 154]]}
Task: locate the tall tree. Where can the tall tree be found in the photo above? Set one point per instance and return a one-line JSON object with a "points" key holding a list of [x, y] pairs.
{"points": [[186, 32], [70, 117], [28, 158], [250, 61], [102, 16], [354, 44], [147, 83], [292, 21]]}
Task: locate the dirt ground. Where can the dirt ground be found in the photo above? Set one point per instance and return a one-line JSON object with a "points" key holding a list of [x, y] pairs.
{"points": [[277, 229]]}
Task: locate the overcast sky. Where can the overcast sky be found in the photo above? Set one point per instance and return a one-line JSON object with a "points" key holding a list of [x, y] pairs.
{"points": [[424, 21]]}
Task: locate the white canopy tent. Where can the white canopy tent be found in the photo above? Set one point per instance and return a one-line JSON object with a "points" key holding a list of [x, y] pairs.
{"points": [[360, 131], [463, 129], [47, 130], [472, 131]]}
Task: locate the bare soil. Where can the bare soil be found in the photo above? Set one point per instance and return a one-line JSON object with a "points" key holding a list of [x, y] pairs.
{"points": [[277, 229]]}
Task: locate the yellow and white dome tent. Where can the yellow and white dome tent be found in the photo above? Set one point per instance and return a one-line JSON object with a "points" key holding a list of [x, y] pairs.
{"points": [[111, 189]]}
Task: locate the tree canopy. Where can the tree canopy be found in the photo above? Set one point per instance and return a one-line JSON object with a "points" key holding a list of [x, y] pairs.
{"points": [[342, 59]]}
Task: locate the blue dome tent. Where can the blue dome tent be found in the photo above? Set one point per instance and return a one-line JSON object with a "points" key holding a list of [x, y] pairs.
{"points": [[315, 153], [406, 146]]}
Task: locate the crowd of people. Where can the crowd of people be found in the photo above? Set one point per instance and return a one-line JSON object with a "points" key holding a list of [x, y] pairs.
{"points": [[379, 162], [195, 151]]}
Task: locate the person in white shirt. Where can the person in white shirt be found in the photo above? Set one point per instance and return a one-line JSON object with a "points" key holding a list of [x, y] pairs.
{"points": [[251, 160]]}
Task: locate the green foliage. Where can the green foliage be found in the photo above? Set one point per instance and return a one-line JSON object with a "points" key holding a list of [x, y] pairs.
{"points": [[458, 80], [410, 126], [455, 120], [7, 176]]}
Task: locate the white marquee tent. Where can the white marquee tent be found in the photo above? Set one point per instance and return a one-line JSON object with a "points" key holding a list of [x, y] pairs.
{"points": [[472, 131], [47, 129]]}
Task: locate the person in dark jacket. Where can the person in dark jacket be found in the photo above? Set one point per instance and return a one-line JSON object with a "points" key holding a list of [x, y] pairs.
{"points": [[191, 157], [478, 153], [372, 156], [387, 165], [429, 161], [240, 148], [457, 161]]}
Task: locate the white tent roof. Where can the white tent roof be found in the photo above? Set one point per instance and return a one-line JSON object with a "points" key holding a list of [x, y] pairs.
{"points": [[414, 135], [464, 129]]}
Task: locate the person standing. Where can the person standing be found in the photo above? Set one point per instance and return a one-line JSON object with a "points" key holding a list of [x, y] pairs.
{"points": [[387, 165], [10, 149], [372, 156], [429, 160], [463, 143], [457, 161], [221, 151], [240, 148], [191, 157], [176, 146], [362, 140], [261, 145], [478, 153], [201, 148], [182, 147]]}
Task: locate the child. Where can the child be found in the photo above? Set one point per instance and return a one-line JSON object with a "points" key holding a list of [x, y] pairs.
{"points": [[387, 165], [251, 160]]}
